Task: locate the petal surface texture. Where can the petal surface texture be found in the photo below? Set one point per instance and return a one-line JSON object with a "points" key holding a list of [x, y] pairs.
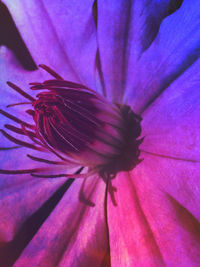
{"points": [[175, 48], [74, 234], [158, 202], [142, 53], [124, 30], [67, 30]]}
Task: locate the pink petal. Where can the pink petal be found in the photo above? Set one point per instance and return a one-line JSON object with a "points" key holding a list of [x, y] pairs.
{"points": [[131, 239], [171, 53], [74, 234], [155, 229], [168, 191]]}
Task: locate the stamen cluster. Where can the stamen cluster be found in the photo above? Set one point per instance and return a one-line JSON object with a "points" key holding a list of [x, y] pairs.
{"points": [[77, 125]]}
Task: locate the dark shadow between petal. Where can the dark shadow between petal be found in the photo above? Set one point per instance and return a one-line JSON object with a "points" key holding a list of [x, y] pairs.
{"points": [[10, 37], [186, 219], [11, 251]]}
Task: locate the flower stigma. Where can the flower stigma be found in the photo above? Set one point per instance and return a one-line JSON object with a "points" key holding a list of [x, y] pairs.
{"points": [[79, 126]]}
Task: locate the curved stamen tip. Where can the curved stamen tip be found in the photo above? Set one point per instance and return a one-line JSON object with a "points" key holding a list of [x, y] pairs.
{"points": [[50, 71]]}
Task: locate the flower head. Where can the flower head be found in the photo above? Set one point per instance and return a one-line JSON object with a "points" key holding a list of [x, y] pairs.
{"points": [[81, 125], [119, 57]]}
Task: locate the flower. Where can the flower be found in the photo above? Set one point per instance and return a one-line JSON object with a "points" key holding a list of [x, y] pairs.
{"points": [[147, 56]]}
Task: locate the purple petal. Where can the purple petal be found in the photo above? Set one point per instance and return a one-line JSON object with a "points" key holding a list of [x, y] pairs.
{"points": [[74, 233], [171, 124], [60, 35], [21, 199], [124, 30], [175, 48]]}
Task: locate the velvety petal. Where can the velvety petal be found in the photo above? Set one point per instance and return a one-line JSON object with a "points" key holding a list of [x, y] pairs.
{"points": [[163, 191], [131, 238], [124, 30], [60, 34], [168, 191], [21, 200], [159, 230], [175, 48], [74, 234], [171, 124]]}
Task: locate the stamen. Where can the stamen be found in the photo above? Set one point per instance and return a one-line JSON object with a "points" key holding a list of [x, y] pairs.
{"points": [[20, 91], [46, 160], [31, 136], [54, 152], [75, 176], [18, 130], [82, 197], [66, 140], [9, 148], [6, 114], [65, 83], [20, 171], [30, 112], [18, 104], [21, 143], [50, 71], [79, 127]]}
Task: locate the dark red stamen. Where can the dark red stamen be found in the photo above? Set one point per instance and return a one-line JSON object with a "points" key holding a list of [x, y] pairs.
{"points": [[45, 160], [19, 142], [18, 104], [9, 148], [30, 135], [19, 130], [20, 91], [21, 171], [6, 114], [30, 112], [49, 176], [50, 71]]}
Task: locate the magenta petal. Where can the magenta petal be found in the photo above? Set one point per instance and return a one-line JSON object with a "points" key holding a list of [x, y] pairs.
{"points": [[175, 48], [74, 234], [168, 191], [131, 240], [155, 229]]}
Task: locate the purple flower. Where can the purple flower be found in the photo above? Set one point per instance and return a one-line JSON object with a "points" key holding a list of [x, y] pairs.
{"points": [[138, 53]]}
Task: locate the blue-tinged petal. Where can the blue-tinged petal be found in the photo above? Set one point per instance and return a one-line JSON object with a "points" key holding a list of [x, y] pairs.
{"points": [[124, 30], [164, 188], [171, 124], [60, 34], [175, 48], [74, 234], [11, 70]]}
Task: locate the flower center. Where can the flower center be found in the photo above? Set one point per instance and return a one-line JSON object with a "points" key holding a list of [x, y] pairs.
{"points": [[79, 126], [87, 128]]}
